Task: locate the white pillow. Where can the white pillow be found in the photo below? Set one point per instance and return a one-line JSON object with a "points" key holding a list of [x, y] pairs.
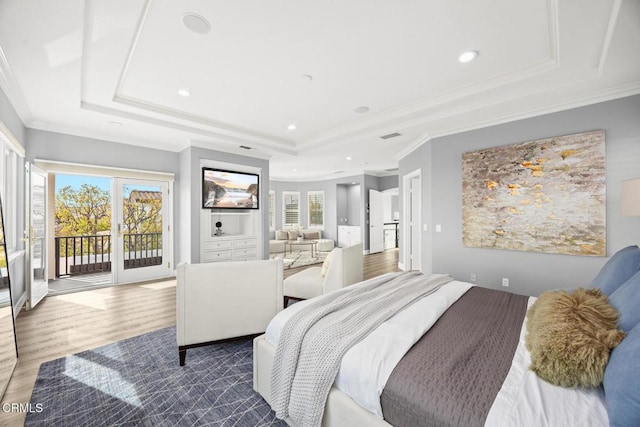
{"points": [[325, 264]]}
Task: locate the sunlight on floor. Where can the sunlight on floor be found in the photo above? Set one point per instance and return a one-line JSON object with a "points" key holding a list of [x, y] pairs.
{"points": [[88, 299], [106, 380], [160, 285]]}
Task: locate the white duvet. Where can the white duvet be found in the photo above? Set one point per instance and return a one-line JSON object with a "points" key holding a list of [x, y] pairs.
{"points": [[523, 400]]}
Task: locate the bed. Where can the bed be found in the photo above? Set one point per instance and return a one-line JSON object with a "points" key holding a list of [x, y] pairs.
{"points": [[454, 356]]}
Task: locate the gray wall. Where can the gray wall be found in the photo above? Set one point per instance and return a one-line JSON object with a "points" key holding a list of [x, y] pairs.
{"points": [[336, 199], [387, 182], [330, 205], [62, 147], [529, 273], [342, 204], [354, 206], [346, 197], [190, 205], [185, 165]]}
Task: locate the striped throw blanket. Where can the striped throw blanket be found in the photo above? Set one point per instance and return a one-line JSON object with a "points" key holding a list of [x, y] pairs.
{"points": [[313, 341]]}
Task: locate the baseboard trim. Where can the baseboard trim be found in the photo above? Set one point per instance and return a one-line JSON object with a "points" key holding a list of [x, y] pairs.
{"points": [[401, 266]]}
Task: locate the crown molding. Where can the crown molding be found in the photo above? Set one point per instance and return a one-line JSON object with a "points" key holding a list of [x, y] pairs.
{"points": [[577, 102], [12, 89], [212, 145], [219, 128], [177, 126], [613, 21]]}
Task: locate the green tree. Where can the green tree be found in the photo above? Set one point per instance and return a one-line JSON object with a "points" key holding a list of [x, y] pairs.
{"points": [[86, 211]]}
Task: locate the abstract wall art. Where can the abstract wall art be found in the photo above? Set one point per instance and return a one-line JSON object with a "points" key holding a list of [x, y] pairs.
{"points": [[541, 196]]}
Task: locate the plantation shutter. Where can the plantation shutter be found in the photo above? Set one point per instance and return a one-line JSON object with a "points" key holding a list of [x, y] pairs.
{"points": [[272, 210], [291, 202], [316, 209]]}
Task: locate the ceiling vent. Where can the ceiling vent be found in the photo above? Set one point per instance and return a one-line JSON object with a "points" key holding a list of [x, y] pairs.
{"points": [[392, 170], [390, 135], [339, 171], [244, 147]]}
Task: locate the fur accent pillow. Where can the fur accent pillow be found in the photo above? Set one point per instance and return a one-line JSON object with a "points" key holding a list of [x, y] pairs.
{"points": [[570, 336]]}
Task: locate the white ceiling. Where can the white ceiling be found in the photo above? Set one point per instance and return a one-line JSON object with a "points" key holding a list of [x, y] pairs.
{"points": [[75, 66]]}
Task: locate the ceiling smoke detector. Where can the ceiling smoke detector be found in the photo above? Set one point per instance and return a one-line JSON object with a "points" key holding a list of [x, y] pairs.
{"points": [[390, 135], [196, 23]]}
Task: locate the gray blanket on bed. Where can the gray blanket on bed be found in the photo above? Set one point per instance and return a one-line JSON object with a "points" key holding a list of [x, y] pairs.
{"points": [[452, 375], [313, 341]]}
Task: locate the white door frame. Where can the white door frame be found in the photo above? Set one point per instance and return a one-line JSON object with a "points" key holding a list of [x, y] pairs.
{"points": [[410, 261]]}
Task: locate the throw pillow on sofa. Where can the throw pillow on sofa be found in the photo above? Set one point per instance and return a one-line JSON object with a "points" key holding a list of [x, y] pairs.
{"points": [[311, 235]]}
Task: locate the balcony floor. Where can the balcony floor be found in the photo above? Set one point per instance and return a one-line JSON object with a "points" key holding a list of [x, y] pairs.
{"points": [[79, 283]]}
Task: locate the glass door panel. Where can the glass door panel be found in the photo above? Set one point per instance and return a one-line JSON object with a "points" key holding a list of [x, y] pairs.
{"points": [[141, 230]]}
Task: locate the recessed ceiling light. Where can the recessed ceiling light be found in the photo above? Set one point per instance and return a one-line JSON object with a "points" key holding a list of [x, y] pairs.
{"points": [[115, 124], [196, 23], [295, 170], [184, 92], [292, 126], [362, 109], [468, 56], [348, 157]]}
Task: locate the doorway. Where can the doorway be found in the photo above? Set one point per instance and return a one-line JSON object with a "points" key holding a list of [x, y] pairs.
{"points": [[107, 231], [412, 221]]}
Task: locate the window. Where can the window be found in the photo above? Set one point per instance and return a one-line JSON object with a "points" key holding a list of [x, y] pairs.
{"points": [[316, 209], [272, 210], [290, 209], [11, 166]]}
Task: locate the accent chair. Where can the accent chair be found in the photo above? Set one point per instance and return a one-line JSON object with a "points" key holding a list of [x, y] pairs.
{"points": [[342, 267]]}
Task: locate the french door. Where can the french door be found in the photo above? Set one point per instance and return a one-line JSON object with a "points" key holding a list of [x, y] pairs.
{"points": [[141, 232], [38, 285]]}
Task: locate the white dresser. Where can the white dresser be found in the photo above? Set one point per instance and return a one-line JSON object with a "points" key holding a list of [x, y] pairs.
{"points": [[229, 248]]}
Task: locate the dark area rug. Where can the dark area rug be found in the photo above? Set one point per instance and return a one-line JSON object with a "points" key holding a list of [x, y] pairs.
{"points": [[138, 382]]}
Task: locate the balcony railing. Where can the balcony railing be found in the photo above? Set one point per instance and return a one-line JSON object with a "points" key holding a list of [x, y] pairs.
{"points": [[90, 254]]}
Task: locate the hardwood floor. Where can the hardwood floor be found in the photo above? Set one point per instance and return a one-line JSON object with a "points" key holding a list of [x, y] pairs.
{"points": [[71, 323]]}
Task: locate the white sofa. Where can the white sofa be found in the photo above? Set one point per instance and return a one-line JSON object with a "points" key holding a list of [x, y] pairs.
{"points": [[276, 245], [219, 301], [344, 268]]}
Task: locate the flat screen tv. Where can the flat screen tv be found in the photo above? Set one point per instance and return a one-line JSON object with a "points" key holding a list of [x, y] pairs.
{"points": [[223, 189]]}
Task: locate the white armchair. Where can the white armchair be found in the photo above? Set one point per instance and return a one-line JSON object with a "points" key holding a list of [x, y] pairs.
{"points": [[219, 301], [344, 268]]}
